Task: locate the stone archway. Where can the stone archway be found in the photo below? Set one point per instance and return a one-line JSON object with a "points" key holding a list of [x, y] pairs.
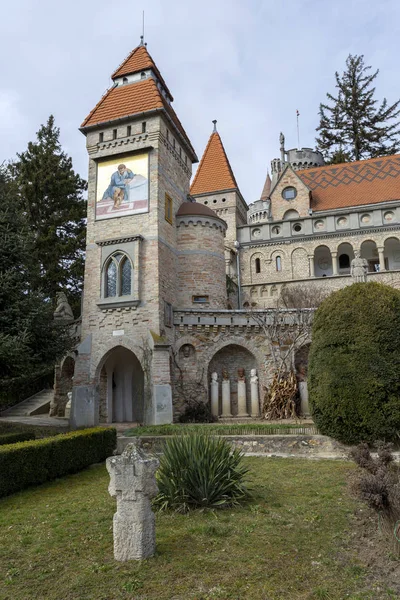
{"points": [[62, 386], [121, 387], [232, 357]]}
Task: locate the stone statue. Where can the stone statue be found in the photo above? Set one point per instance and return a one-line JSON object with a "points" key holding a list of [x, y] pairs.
{"points": [[67, 413], [63, 311], [133, 483], [359, 268], [282, 139], [214, 394], [253, 376], [214, 377], [241, 375], [225, 374], [254, 394], [186, 350]]}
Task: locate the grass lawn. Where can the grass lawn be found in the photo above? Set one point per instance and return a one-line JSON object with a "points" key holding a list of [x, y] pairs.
{"points": [[295, 540], [225, 429]]}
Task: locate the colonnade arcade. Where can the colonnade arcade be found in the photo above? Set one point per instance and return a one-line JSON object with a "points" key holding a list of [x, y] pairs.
{"points": [[326, 262]]}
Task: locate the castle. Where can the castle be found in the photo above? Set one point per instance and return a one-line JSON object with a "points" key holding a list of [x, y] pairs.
{"points": [[173, 267]]}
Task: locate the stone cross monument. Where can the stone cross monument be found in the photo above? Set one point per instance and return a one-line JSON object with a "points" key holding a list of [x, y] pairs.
{"points": [[133, 484]]}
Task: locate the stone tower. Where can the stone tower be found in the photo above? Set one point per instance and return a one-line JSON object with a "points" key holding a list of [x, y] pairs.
{"points": [[215, 186], [298, 158], [140, 164]]}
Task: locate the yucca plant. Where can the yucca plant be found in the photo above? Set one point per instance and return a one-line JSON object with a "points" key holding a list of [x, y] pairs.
{"points": [[198, 471]]}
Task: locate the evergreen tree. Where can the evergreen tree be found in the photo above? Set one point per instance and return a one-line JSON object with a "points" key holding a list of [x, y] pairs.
{"points": [[30, 341], [50, 194], [353, 126]]}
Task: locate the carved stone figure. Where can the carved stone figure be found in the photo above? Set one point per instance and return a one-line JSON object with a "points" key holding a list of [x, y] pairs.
{"points": [[133, 484], [68, 405], [186, 350], [63, 311], [241, 374], [254, 394], [225, 374], [359, 268], [214, 394]]}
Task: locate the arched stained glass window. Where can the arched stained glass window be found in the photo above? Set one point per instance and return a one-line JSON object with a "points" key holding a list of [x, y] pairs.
{"points": [[111, 279], [126, 277], [118, 276]]}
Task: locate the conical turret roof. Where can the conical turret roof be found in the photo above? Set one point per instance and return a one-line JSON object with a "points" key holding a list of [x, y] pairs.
{"points": [[214, 173], [266, 189]]}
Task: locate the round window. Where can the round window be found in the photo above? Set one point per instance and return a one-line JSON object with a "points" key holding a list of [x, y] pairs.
{"points": [[297, 227], [289, 193]]}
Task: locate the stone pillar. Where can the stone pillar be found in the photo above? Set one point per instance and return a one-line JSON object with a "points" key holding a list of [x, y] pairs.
{"points": [[241, 392], [133, 484], [311, 265], [226, 398], [255, 401], [304, 407], [334, 263], [214, 394], [381, 252], [162, 413]]}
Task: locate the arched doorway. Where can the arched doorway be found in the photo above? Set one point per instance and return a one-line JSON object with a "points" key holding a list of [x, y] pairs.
{"points": [[121, 388], [323, 262], [392, 254], [230, 359], [345, 255], [62, 386], [369, 251]]}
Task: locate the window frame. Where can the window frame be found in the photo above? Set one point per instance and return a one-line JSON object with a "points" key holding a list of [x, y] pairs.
{"points": [[168, 209]]}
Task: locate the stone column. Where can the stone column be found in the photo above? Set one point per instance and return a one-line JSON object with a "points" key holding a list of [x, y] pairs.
{"points": [[334, 263], [304, 406], [133, 484], [241, 394], [214, 394], [226, 398], [311, 265], [255, 401], [381, 252]]}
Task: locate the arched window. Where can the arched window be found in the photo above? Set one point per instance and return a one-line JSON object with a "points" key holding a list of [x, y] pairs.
{"points": [[258, 265], [278, 263], [118, 276], [344, 261]]}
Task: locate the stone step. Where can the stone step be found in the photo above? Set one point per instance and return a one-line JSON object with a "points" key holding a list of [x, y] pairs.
{"points": [[36, 404]]}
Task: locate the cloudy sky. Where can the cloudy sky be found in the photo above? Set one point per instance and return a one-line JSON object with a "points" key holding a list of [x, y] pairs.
{"points": [[248, 63]]}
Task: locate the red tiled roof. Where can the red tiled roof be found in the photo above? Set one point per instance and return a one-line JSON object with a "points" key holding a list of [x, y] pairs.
{"points": [[139, 60], [130, 99], [266, 189], [353, 184], [214, 173]]}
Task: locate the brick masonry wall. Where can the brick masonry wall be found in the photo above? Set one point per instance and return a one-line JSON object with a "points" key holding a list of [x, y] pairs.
{"points": [[301, 203]]}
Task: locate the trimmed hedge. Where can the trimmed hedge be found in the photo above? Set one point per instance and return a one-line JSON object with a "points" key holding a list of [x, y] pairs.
{"points": [[31, 463], [354, 364], [16, 436]]}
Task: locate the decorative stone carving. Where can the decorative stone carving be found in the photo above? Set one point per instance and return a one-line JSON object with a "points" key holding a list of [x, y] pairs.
{"points": [[214, 394], [68, 405], [254, 395], [242, 405], [304, 406], [226, 394], [359, 268], [63, 310], [133, 484]]}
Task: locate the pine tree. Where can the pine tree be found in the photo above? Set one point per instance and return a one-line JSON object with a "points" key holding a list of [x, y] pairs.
{"points": [[51, 197], [353, 126], [30, 341]]}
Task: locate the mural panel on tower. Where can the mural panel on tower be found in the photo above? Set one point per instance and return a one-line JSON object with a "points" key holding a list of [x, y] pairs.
{"points": [[122, 186]]}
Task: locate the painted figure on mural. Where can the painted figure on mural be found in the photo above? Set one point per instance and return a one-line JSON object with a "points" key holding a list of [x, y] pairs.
{"points": [[118, 190]]}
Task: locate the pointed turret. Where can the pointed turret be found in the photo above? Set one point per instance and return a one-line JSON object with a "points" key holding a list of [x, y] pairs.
{"points": [[138, 90], [266, 189], [214, 173]]}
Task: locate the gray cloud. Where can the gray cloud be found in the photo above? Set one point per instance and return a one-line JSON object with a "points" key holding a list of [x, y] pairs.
{"points": [[248, 64]]}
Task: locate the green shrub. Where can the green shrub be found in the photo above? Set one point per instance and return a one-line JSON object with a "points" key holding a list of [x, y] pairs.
{"points": [[200, 471], [354, 364], [31, 463], [16, 436]]}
